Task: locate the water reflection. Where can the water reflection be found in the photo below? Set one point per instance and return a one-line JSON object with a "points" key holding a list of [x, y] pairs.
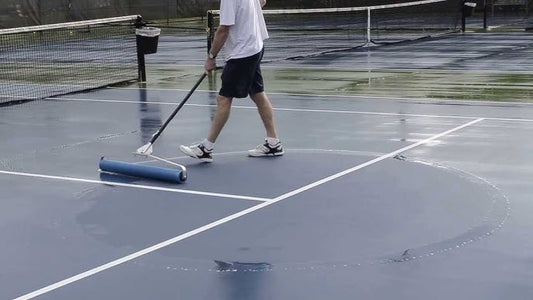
{"points": [[242, 280], [109, 177], [150, 115], [212, 81], [236, 266]]}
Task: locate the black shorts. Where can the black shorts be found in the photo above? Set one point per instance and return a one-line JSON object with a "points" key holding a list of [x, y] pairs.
{"points": [[242, 77]]}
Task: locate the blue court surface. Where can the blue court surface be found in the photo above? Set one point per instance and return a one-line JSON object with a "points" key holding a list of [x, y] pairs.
{"points": [[375, 198]]}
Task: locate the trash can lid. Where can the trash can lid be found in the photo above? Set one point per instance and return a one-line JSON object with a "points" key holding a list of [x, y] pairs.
{"points": [[148, 31]]}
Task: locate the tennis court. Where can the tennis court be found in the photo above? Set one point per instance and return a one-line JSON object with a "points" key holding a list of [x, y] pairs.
{"points": [[407, 175]]}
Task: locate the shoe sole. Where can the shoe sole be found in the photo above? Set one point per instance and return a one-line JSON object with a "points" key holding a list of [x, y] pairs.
{"points": [[266, 154], [189, 153]]}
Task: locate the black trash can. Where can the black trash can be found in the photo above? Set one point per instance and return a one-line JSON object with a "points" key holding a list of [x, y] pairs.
{"points": [[147, 39]]}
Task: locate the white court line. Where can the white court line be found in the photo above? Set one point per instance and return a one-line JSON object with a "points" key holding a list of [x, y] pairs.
{"points": [[214, 224], [136, 186], [299, 109], [373, 161], [386, 98], [362, 69]]}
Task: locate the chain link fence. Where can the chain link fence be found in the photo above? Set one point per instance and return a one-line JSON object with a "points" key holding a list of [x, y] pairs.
{"points": [[16, 13]]}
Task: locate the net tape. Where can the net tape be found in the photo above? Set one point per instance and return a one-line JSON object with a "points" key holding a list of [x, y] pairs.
{"points": [[69, 25], [340, 9]]}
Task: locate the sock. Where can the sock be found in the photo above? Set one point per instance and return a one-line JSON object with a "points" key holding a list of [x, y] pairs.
{"points": [[272, 141], [208, 145]]}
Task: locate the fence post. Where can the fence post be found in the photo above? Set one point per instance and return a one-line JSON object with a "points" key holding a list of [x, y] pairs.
{"points": [[209, 30], [485, 12]]}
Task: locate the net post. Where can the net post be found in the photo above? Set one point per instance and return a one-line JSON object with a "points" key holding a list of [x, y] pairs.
{"points": [[368, 26], [463, 16], [141, 64], [209, 29], [485, 12]]}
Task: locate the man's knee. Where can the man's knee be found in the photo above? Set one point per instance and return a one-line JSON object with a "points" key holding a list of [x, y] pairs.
{"points": [[258, 97], [224, 102]]}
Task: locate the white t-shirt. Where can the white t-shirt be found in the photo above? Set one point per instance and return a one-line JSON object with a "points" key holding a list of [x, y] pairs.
{"points": [[247, 28]]}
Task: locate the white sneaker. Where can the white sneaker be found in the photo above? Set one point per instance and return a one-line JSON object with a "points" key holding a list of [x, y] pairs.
{"points": [[266, 150], [198, 151]]}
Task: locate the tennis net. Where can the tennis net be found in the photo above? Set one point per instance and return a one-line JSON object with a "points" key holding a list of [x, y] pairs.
{"points": [[305, 32], [37, 62]]}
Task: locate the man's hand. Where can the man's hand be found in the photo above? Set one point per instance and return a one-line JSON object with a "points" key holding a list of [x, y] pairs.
{"points": [[263, 2], [210, 64]]}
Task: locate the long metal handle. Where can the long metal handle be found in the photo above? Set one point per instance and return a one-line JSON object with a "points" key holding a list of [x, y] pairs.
{"points": [[160, 130]]}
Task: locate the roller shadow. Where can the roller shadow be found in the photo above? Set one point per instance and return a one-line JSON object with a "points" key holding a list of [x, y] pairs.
{"points": [[117, 178]]}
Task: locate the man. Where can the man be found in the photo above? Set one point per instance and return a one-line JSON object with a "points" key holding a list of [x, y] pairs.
{"points": [[241, 34]]}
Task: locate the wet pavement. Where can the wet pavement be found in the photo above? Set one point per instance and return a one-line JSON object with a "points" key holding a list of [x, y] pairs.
{"points": [[388, 194], [471, 66]]}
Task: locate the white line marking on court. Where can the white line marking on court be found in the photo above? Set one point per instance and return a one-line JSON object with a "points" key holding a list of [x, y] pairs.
{"points": [[136, 186], [373, 161], [214, 224], [299, 109], [386, 98], [362, 69], [367, 113]]}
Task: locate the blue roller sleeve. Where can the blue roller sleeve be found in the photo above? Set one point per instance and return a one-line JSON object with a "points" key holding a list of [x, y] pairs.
{"points": [[136, 170]]}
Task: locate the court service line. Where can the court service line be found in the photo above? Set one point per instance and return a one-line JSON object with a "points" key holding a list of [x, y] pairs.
{"points": [[136, 186], [350, 69], [227, 219], [301, 110], [275, 108], [373, 161], [386, 98]]}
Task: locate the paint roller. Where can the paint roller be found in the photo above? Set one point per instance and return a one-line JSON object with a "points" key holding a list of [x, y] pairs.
{"points": [[144, 171]]}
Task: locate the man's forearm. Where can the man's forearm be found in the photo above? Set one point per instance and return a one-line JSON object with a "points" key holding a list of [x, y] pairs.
{"points": [[220, 38]]}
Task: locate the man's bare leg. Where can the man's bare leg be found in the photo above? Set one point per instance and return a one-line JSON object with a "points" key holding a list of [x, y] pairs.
{"points": [[220, 118], [272, 145], [266, 112], [204, 150]]}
